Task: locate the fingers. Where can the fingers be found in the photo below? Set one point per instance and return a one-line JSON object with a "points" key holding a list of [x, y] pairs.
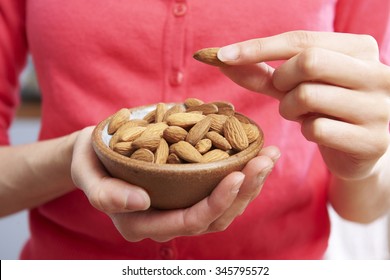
{"points": [[214, 213], [105, 193], [256, 172], [254, 77], [346, 138], [335, 102], [286, 45], [320, 65], [165, 225]]}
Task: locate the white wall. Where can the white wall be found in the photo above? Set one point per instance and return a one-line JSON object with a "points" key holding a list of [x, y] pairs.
{"points": [[14, 228]]}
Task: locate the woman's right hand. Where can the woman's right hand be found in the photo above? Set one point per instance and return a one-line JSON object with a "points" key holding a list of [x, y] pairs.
{"points": [[129, 206]]}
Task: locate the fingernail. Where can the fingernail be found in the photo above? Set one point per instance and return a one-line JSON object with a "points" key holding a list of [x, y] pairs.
{"points": [[137, 201], [236, 187], [277, 157], [229, 53], [263, 174]]}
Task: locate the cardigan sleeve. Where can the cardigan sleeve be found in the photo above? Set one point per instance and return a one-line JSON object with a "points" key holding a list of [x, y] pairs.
{"points": [[366, 17], [13, 52]]}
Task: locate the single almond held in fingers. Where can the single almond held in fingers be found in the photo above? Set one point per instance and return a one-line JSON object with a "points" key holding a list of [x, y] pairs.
{"points": [[209, 56]]}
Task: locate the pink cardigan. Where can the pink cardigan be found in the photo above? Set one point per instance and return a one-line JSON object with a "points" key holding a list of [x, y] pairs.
{"points": [[93, 57]]}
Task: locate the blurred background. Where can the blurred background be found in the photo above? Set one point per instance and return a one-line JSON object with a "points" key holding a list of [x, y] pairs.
{"points": [[348, 240]]}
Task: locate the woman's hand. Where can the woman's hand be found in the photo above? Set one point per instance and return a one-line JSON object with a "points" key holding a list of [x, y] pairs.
{"points": [[129, 205], [334, 85], [331, 83]]}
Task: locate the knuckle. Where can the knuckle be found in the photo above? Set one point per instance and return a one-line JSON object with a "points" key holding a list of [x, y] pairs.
{"points": [[218, 226], [370, 44], [300, 40], [308, 61], [381, 144], [306, 97], [95, 199], [258, 43], [193, 227], [313, 130]]}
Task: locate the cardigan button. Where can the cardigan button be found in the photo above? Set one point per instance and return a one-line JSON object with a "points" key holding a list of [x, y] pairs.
{"points": [[176, 78], [179, 9], [167, 253]]}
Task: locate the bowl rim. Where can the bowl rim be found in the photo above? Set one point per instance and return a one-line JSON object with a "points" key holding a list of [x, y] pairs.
{"points": [[235, 159]]}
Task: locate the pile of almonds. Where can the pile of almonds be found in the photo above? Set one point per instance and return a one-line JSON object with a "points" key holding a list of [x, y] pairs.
{"points": [[197, 132]]}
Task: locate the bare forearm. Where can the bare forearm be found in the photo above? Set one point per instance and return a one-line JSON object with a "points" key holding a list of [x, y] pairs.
{"points": [[35, 173], [363, 200]]}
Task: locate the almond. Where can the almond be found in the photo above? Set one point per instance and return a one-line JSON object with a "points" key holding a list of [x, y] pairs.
{"points": [[198, 131], [124, 148], [118, 119], [174, 159], [204, 145], [242, 118], [174, 109], [150, 138], [149, 142], [114, 139], [218, 140], [235, 134], [187, 152], [224, 108], [162, 152], [143, 155], [252, 132], [190, 102], [173, 134], [150, 117], [130, 133], [155, 129], [132, 123], [217, 122], [184, 120], [215, 155], [161, 109], [209, 56], [207, 108]]}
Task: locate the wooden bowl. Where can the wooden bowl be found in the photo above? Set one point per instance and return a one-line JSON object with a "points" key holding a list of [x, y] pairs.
{"points": [[170, 186]]}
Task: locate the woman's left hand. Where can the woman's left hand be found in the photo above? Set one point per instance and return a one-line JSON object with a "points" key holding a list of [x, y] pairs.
{"points": [[331, 83]]}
